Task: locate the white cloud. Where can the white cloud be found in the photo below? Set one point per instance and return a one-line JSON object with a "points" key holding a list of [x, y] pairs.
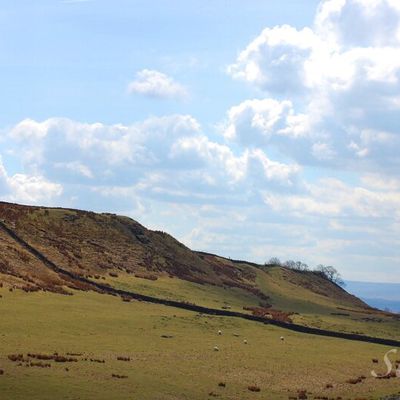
{"points": [[322, 151], [251, 165], [379, 182], [156, 84], [76, 167], [275, 58], [254, 122], [332, 197], [32, 189], [339, 80], [97, 149], [27, 188], [359, 23], [163, 158]]}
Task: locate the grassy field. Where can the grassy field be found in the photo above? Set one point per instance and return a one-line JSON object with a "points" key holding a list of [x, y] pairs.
{"points": [[319, 311], [183, 366], [311, 309], [178, 289]]}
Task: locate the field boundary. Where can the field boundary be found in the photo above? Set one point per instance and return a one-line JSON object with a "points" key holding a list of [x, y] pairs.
{"points": [[192, 307]]}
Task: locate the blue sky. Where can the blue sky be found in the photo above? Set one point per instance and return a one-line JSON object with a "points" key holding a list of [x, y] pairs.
{"points": [[251, 130], [74, 59]]}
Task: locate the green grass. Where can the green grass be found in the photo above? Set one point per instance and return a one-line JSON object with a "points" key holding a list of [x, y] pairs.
{"points": [[182, 367], [178, 289], [312, 309]]}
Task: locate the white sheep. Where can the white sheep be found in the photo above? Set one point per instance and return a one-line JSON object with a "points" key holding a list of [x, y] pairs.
{"points": [[220, 332], [216, 348], [245, 341], [282, 338]]}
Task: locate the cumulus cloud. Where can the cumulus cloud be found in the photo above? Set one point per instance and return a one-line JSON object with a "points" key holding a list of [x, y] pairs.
{"points": [[27, 188], [334, 198], [339, 82], [250, 165], [254, 122], [95, 149], [165, 158], [156, 84], [273, 60]]}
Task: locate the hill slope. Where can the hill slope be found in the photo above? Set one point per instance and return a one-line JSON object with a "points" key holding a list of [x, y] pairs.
{"points": [[93, 346], [122, 253]]}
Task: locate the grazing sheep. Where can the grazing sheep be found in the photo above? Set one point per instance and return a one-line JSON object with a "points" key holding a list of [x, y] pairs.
{"points": [[220, 332], [245, 341], [216, 348], [282, 338]]}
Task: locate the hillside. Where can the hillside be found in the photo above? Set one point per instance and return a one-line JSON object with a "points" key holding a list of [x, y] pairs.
{"points": [[64, 337], [120, 252], [92, 244]]}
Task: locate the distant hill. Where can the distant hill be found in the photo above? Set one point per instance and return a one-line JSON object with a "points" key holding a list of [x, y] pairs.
{"points": [[379, 295], [383, 304]]}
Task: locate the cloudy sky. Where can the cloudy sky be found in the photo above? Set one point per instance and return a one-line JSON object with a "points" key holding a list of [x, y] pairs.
{"points": [[249, 129]]}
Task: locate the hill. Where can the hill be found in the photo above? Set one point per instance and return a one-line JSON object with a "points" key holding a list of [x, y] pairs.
{"points": [[379, 295], [63, 336], [121, 253]]}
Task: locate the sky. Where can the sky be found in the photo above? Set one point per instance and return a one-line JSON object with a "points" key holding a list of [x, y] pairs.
{"points": [[252, 129]]}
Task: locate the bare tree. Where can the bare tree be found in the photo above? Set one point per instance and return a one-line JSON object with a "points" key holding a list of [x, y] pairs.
{"points": [[296, 265], [330, 273], [290, 264], [274, 261]]}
